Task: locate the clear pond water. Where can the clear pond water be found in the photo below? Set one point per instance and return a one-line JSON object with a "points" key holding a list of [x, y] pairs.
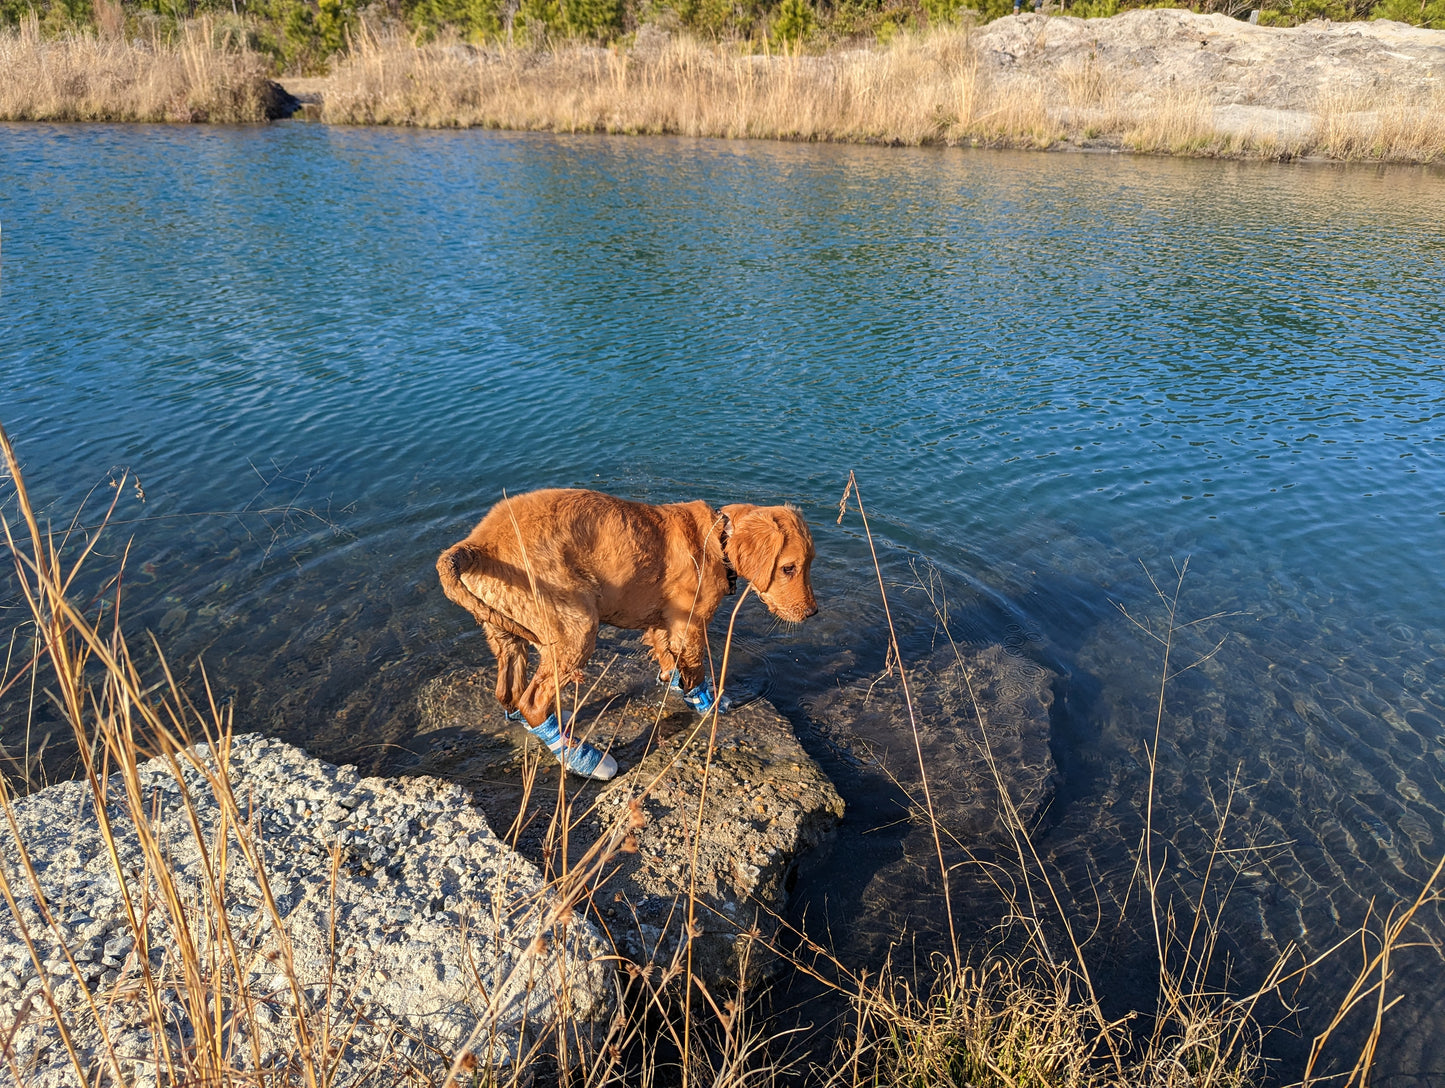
{"points": [[324, 352]]}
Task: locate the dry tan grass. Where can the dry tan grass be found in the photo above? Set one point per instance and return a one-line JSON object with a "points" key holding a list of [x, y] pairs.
{"points": [[1180, 122], [1381, 127], [200, 76], [918, 89], [924, 88]]}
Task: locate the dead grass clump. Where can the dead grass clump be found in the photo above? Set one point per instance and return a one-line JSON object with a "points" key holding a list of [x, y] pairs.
{"points": [[203, 75], [1003, 1024], [916, 90], [1180, 122], [1084, 83], [1356, 125]]}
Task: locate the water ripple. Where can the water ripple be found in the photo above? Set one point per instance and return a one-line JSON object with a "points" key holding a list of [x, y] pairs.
{"points": [[327, 350]]}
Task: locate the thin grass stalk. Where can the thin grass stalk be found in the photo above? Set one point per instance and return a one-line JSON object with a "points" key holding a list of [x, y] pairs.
{"points": [[124, 700], [1023, 843], [697, 829], [1152, 874], [853, 489], [1372, 978]]}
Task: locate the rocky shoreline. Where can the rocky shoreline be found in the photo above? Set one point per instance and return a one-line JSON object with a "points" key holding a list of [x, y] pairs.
{"points": [[1262, 85], [402, 913], [436, 918]]}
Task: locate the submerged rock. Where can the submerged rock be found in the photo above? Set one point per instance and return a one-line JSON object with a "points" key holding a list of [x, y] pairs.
{"points": [[982, 718], [725, 817], [410, 927]]}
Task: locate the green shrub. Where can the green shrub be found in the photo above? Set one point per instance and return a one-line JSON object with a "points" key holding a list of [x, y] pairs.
{"points": [[715, 18], [13, 12], [1427, 13], [599, 19], [472, 19], [538, 20], [306, 32], [1094, 9], [793, 22], [1296, 12], [61, 15], [944, 11]]}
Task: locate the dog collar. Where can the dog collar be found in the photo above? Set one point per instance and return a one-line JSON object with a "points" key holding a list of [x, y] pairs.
{"points": [[727, 532]]}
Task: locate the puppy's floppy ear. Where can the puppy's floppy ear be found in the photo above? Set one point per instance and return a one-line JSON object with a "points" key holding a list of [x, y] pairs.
{"points": [[736, 512], [755, 544]]}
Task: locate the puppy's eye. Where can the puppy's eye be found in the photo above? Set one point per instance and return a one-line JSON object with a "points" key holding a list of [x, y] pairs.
{"points": [[790, 570]]}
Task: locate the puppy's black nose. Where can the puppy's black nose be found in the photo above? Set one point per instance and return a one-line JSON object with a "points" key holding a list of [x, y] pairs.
{"points": [[812, 611]]}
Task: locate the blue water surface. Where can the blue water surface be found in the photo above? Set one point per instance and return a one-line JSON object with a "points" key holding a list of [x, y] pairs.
{"points": [[324, 352]]}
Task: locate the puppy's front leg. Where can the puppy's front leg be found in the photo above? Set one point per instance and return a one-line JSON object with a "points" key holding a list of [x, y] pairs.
{"points": [[693, 677], [658, 641]]}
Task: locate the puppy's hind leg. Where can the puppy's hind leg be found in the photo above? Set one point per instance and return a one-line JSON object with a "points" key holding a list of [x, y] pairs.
{"points": [[658, 642], [560, 662], [574, 639], [511, 654]]}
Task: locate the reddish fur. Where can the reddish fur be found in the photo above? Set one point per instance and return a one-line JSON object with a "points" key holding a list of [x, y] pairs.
{"points": [[548, 567]]}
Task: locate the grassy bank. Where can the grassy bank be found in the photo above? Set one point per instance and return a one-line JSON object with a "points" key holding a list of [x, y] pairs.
{"points": [[926, 88], [1031, 1017], [202, 72]]}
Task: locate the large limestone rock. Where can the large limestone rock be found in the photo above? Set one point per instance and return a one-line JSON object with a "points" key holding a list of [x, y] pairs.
{"points": [[411, 926], [1257, 81]]}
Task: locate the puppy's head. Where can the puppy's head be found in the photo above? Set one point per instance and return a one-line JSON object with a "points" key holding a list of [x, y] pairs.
{"points": [[771, 547]]}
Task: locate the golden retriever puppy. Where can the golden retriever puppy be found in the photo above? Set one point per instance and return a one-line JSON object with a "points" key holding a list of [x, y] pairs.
{"points": [[548, 567]]}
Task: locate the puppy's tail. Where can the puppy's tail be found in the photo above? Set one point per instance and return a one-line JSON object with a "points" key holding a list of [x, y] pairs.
{"points": [[451, 565]]}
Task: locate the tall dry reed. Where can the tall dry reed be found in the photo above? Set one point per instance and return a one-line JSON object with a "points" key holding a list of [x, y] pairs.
{"points": [[920, 89], [200, 75], [924, 88], [1381, 127]]}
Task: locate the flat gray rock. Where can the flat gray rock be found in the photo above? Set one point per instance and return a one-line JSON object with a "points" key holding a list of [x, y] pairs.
{"points": [[431, 934], [1148, 52]]}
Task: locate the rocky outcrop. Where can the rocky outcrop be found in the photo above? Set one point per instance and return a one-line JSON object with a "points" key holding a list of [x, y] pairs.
{"points": [[416, 931], [1256, 81], [718, 820], [409, 926]]}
